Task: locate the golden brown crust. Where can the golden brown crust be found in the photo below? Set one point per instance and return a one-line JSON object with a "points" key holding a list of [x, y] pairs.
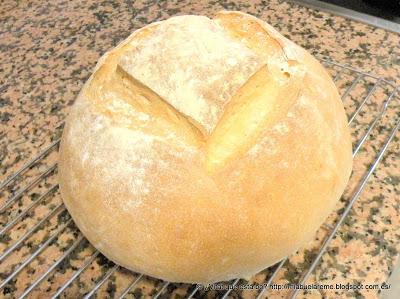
{"points": [[172, 194]]}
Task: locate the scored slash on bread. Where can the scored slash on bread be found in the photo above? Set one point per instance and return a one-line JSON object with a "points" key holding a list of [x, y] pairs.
{"points": [[212, 108]]}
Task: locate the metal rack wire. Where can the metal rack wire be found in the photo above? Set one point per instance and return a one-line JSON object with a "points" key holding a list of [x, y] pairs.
{"points": [[31, 188]]}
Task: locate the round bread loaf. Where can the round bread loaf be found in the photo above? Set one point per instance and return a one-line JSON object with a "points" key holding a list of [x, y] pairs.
{"points": [[202, 150]]}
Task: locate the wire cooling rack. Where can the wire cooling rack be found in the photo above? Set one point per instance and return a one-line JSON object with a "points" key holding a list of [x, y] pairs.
{"points": [[43, 254]]}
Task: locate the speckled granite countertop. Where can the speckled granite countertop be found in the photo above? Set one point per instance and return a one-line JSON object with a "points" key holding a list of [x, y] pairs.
{"points": [[47, 51]]}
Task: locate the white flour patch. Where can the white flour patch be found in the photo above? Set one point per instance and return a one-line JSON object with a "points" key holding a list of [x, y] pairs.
{"points": [[198, 88], [290, 114], [265, 146], [284, 164], [281, 128]]}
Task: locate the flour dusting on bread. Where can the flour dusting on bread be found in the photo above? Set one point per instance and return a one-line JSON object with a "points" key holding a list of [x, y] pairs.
{"points": [[200, 87]]}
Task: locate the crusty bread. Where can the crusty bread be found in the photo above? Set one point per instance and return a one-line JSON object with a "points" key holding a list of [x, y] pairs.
{"points": [[202, 150]]}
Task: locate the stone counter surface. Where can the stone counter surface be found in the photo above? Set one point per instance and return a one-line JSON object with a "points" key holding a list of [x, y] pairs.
{"points": [[47, 52]]}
